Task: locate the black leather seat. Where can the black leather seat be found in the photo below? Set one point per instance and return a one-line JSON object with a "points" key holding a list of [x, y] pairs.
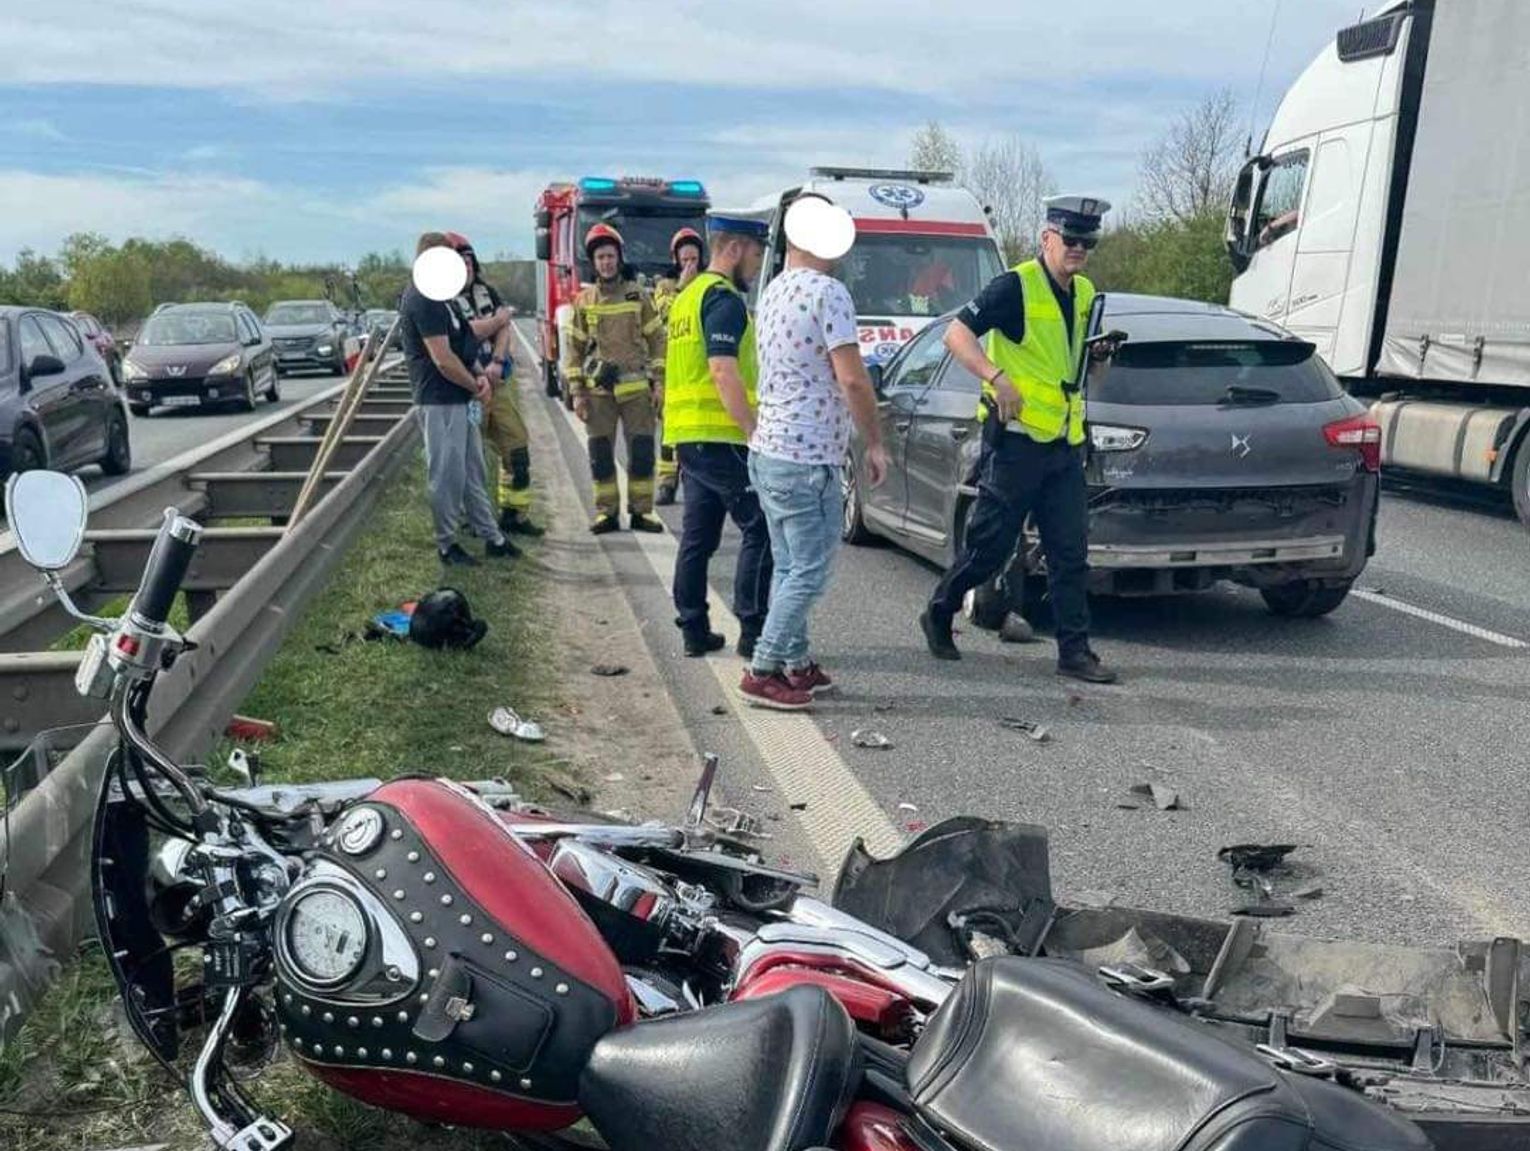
{"points": [[1036, 1055], [771, 1074]]}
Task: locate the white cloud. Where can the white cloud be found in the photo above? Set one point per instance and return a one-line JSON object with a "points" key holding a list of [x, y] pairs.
{"points": [[285, 49], [38, 129], [241, 218]]}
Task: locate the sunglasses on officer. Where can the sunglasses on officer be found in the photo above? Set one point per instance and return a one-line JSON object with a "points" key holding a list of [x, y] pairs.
{"points": [[1087, 243]]}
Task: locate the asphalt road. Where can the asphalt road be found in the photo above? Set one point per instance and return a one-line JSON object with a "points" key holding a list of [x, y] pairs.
{"points": [[171, 431], [1389, 740]]}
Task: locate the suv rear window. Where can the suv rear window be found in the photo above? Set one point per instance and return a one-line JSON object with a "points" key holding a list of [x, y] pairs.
{"points": [[1214, 372]]}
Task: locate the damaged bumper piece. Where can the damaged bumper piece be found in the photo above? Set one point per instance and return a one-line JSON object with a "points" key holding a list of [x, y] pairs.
{"points": [[1436, 1033]]}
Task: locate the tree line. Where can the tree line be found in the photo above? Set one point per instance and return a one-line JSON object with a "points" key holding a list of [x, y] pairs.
{"points": [[1167, 240], [122, 283]]}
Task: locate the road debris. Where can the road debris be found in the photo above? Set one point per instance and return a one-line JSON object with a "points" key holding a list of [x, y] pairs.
{"points": [[759, 787], [1164, 798], [614, 777], [1036, 731], [865, 737], [507, 721], [882, 708], [1016, 629], [907, 807], [609, 669], [719, 709], [798, 806], [1254, 868], [1311, 891], [1265, 909]]}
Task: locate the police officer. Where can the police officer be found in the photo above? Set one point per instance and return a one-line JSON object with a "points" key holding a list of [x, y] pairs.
{"points": [[709, 412], [686, 251], [615, 359], [482, 309], [1031, 321]]}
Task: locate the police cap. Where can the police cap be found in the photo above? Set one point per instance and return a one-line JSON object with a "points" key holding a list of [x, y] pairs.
{"points": [[1076, 215], [747, 224]]}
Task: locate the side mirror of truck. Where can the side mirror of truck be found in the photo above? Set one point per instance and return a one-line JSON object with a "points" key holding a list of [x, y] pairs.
{"points": [[544, 243], [1240, 245]]}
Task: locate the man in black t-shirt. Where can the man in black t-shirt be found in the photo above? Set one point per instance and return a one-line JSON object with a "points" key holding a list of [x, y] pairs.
{"points": [[434, 339]]}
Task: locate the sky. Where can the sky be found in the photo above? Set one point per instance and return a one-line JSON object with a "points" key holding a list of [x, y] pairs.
{"points": [[323, 129]]}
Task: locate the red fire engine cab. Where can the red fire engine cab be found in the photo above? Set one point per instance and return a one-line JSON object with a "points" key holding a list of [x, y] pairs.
{"points": [[646, 211]]}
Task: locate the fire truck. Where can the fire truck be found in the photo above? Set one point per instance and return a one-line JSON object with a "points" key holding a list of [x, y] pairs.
{"points": [[646, 211]]}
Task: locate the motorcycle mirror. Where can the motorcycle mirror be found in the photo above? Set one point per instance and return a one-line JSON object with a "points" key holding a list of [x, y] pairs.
{"points": [[245, 766], [46, 511]]}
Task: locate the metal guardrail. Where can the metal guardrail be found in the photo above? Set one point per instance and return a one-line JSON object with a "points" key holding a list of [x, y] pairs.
{"points": [[45, 842]]}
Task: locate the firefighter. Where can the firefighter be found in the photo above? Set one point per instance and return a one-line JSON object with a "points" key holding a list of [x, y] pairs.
{"points": [[687, 253], [614, 364], [485, 313]]}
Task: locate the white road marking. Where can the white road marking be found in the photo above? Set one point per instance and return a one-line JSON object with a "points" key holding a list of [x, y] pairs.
{"points": [[1435, 617], [807, 769]]}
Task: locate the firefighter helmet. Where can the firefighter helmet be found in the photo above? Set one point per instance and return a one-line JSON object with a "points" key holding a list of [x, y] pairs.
{"points": [[603, 234], [684, 236]]}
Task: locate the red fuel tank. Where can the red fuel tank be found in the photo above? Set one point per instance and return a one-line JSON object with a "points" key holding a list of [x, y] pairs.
{"points": [[485, 985]]}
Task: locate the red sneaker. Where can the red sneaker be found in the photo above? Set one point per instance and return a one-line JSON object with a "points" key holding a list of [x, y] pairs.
{"points": [[811, 679], [773, 691]]}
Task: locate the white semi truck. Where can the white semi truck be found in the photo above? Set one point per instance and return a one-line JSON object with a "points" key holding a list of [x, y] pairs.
{"points": [[1387, 220]]}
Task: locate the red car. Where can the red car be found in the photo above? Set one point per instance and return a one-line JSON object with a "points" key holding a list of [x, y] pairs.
{"points": [[102, 340]]}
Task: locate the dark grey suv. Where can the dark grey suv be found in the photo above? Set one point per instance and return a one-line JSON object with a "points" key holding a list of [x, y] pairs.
{"points": [[308, 334], [1221, 448]]}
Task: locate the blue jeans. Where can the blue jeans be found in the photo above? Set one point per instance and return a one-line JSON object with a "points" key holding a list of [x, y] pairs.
{"points": [[803, 506]]}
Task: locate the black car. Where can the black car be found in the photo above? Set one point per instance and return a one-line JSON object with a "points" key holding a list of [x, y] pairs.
{"points": [[58, 408], [1220, 448], [308, 334], [187, 355]]}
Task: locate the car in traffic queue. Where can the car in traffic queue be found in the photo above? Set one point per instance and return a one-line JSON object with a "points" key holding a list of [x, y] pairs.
{"points": [[377, 321], [923, 246], [1220, 447], [188, 355], [308, 335], [102, 340], [58, 407]]}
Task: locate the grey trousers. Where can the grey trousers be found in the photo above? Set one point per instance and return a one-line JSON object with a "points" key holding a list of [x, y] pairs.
{"points": [[454, 465]]}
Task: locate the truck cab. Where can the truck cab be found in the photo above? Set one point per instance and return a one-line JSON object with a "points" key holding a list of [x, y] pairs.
{"points": [[923, 247], [1384, 220], [1308, 218]]}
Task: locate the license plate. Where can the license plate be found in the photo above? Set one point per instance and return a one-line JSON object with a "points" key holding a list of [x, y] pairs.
{"points": [[180, 401], [289, 355]]}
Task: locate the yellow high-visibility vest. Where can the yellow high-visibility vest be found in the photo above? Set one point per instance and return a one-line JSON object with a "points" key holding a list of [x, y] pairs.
{"points": [[693, 411], [1045, 358]]}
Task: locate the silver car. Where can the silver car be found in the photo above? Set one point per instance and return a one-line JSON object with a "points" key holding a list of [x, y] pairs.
{"points": [[1220, 448]]}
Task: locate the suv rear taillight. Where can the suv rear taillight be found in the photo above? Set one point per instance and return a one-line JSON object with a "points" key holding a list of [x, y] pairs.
{"points": [[1361, 433]]}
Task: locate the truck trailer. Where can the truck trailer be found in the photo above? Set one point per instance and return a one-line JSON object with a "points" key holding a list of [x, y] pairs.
{"points": [[1386, 219]]}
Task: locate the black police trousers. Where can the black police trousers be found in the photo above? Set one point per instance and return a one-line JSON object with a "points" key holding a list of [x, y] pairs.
{"points": [[1018, 477], [717, 486]]}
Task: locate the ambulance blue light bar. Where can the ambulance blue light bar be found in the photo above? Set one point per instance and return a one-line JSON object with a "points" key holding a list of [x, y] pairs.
{"points": [[597, 184], [687, 188]]}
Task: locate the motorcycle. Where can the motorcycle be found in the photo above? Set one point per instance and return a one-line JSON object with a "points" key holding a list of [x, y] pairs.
{"points": [[457, 954]]}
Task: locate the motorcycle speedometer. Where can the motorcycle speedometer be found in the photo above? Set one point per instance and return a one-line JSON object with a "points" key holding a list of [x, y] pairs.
{"points": [[327, 936]]}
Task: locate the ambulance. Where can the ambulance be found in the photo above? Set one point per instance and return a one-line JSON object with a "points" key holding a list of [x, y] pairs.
{"points": [[924, 247]]}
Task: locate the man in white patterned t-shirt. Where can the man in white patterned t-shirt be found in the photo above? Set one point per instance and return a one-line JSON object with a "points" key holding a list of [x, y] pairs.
{"points": [[812, 384]]}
